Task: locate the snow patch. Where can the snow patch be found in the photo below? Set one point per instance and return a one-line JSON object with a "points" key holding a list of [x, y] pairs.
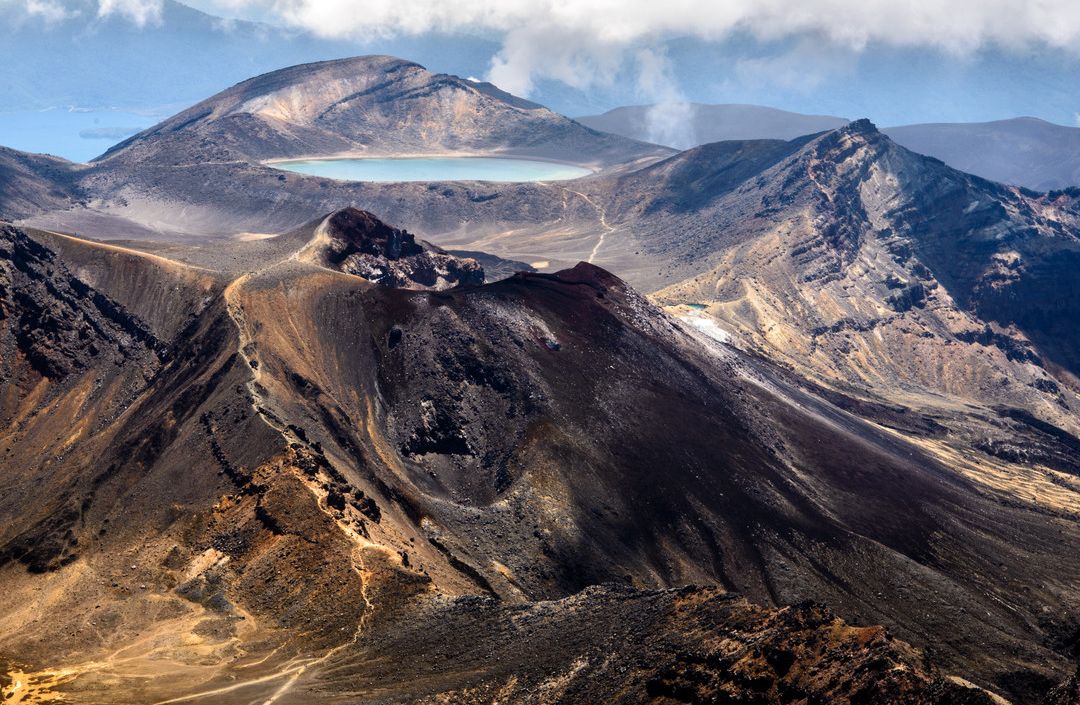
{"points": [[709, 327]]}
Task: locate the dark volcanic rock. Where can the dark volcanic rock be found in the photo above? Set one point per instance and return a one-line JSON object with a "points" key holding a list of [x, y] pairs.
{"points": [[393, 453], [57, 324], [358, 243], [1068, 693]]}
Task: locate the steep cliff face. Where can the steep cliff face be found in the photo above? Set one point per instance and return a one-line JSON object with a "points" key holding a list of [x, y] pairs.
{"points": [[863, 264], [55, 325]]}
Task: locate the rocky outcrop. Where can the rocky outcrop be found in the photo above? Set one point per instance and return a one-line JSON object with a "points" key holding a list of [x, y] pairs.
{"points": [[356, 242], [57, 325], [805, 653], [614, 644], [1068, 693]]}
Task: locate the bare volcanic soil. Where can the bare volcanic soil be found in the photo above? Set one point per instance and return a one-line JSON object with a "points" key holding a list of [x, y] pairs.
{"points": [[283, 482], [334, 465]]}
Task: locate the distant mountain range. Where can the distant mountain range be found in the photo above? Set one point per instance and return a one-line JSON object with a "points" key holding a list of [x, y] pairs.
{"points": [[710, 123], [1023, 151]]}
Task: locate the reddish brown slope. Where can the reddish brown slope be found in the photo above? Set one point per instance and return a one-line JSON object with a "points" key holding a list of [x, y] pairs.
{"points": [[315, 467]]}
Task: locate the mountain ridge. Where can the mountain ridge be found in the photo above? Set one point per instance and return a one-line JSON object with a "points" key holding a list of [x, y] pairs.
{"points": [[701, 123], [416, 435], [375, 105], [1024, 151]]}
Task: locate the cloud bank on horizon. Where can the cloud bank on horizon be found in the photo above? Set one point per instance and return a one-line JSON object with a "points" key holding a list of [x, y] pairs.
{"points": [[585, 41], [588, 44]]}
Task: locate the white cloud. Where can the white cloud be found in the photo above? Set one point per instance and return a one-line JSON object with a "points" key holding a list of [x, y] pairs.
{"points": [[48, 10], [584, 42], [141, 12], [956, 25], [961, 23], [587, 42], [574, 56], [1076, 119], [801, 67]]}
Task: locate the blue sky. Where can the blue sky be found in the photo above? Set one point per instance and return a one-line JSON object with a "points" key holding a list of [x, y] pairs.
{"points": [[920, 61]]}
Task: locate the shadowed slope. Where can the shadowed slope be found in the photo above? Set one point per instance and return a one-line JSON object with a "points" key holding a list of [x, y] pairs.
{"points": [[315, 461], [33, 183]]}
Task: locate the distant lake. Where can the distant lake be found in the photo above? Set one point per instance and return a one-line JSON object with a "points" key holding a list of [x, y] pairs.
{"points": [[434, 169], [72, 134]]}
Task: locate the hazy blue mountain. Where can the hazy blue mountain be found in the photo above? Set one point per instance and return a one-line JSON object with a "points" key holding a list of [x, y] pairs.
{"points": [[1024, 151], [708, 123], [890, 85]]}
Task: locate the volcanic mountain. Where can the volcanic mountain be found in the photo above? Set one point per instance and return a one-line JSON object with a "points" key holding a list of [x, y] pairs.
{"points": [[203, 172], [331, 466], [368, 106], [246, 473], [845, 253]]}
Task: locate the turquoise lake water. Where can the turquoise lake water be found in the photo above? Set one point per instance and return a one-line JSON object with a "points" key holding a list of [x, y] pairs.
{"points": [[435, 169]]}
